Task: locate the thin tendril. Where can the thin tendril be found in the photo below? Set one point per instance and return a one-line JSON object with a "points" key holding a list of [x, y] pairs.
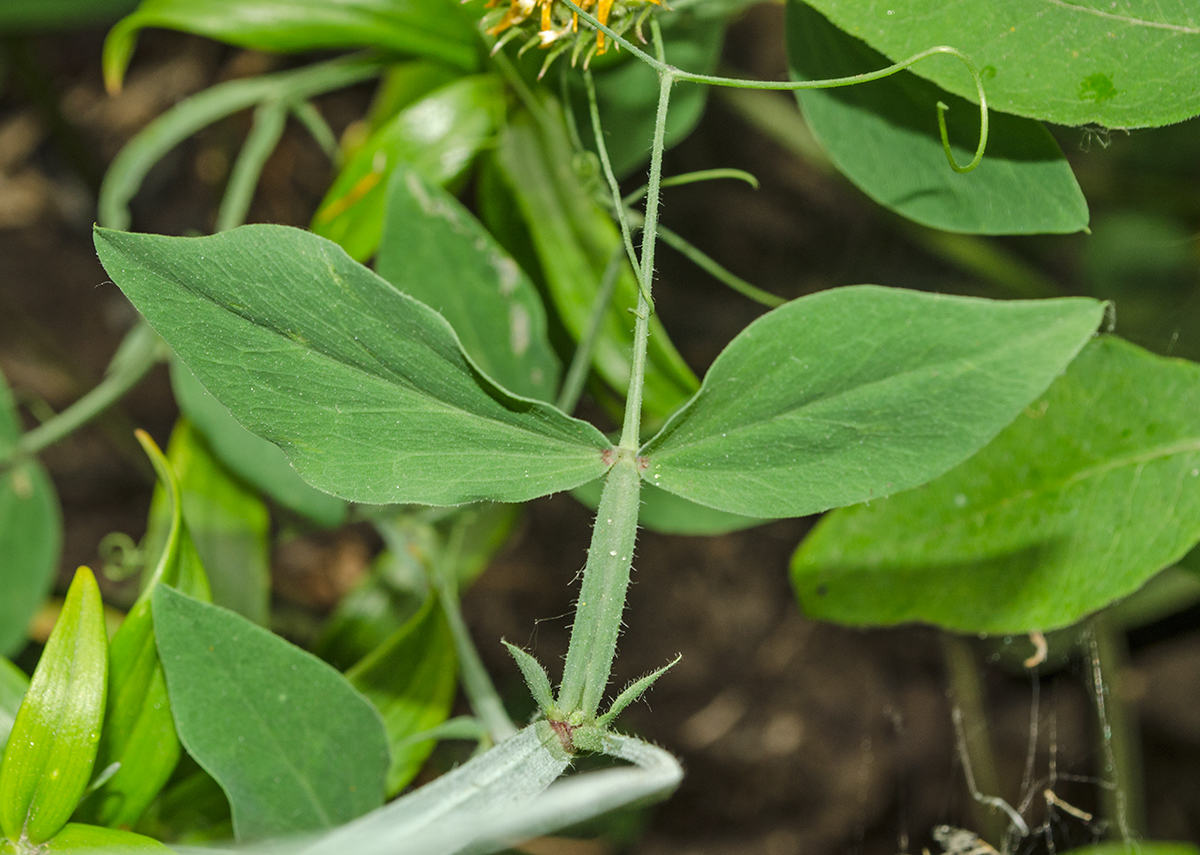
{"points": [[692, 178], [831, 83]]}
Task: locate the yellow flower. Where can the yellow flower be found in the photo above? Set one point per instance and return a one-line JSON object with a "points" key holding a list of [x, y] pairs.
{"points": [[557, 26]]}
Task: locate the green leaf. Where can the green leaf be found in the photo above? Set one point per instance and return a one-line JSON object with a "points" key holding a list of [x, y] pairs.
{"points": [[1147, 847], [438, 136], [438, 29], [139, 732], [18, 16], [260, 462], [434, 250], [30, 532], [860, 392], [667, 513], [1069, 63], [574, 238], [366, 389], [410, 679], [292, 744], [627, 91], [78, 839], [883, 136], [1092, 491], [227, 521], [50, 752], [13, 685]]}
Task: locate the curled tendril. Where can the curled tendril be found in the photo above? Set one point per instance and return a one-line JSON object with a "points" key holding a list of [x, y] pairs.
{"points": [[667, 70]]}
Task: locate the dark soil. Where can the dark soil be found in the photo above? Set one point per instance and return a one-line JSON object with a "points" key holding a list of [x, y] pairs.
{"points": [[797, 736]]}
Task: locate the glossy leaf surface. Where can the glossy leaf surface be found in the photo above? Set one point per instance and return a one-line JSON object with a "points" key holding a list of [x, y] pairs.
{"points": [[438, 135], [856, 393], [30, 533], [139, 732], [79, 839], [574, 238], [411, 679], [883, 136], [1089, 493], [259, 461], [1073, 63], [435, 28], [366, 389], [434, 250], [52, 748], [13, 685], [292, 744]]}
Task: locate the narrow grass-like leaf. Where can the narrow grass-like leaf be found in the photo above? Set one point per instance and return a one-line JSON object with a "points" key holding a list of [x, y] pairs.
{"points": [[438, 136], [1090, 492], [884, 137], [52, 748], [433, 28], [410, 679], [535, 677], [30, 533], [292, 744], [13, 685], [434, 250], [79, 839], [1128, 65], [366, 390], [139, 733], [860, 392], [259, 461]]}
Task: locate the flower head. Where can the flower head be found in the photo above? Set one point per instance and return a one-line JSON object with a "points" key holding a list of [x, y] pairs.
{"points": [[555, 26]]}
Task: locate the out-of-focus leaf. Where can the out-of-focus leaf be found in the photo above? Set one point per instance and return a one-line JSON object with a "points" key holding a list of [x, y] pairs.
{"points": [[52, 748], [401, 85], [366, 389], [13, 685], [1149, 847], [30, 533], [193, 807], [574, 238], [1126, 66], [1093, 490], [259, 461], [438, 29], [434, 250], [627, 91], [411, 680], [884, 137], [227, 521], [856, 393], [21, 16], [292, 744], [438, 136], [138, 730]]}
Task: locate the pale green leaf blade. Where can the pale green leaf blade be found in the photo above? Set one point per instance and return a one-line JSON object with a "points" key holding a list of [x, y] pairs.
{"points": [[365, 389], [292, 744], [52, 748], [1089, 493], [30, 533], [883, 136], [860, 392], [434, 250], [79, 839], [411, 679], [13, 685], [438, 135], [1072, 63], [260, 462], [438, 29]]}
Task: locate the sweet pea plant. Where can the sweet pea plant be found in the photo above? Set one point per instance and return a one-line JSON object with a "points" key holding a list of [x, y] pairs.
{"points": [[1001, 467]]}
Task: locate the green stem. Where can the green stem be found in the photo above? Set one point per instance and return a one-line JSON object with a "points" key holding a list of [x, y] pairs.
{"points": [[699, 258], [610, 176], [309, 116], [572, 387], [269, 121], [139, 352], [602, 596], [1123, 802], [664, 68]]}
